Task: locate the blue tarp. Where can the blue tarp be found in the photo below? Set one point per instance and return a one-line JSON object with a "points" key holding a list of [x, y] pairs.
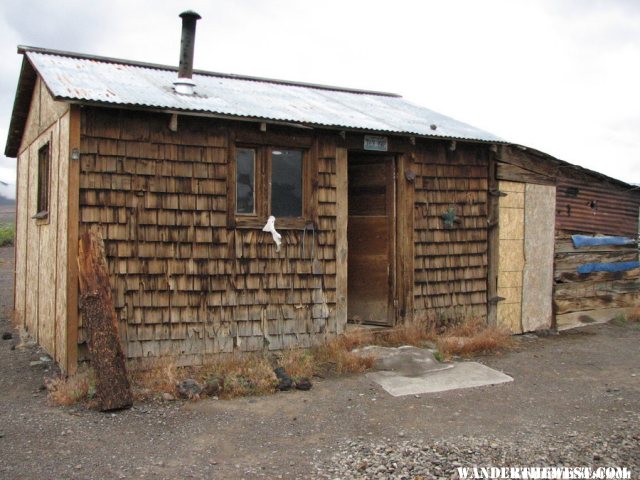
{"points": [[607, 267], [587, 241]]}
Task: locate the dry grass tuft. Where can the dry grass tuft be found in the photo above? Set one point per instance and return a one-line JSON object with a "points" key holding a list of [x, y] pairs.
{"points": [[336, 355], [241, 375], [634, 315], [413, 332], [79, 388], [253, 374], [298, 363], [473, 337], [160, 377]]}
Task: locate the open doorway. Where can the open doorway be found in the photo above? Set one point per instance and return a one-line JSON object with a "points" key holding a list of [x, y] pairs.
{"points": [[371, 237]]}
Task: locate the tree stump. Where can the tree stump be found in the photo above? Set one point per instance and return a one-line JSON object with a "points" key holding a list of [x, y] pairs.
{"points": [[99, 318]]}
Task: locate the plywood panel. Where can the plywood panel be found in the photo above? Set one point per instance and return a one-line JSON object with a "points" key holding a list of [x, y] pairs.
{"points": [[507, 186], [50, 110], [511, 256], [509, 315], [47, 288], [22, 219], [510, 279], [511, 223], [539, 244], [32, 247], [40, 284], [510, 294], [512, 199]]}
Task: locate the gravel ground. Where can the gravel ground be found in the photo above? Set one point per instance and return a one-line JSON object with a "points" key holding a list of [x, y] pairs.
{"points": [[403, 459], [574, 401]]}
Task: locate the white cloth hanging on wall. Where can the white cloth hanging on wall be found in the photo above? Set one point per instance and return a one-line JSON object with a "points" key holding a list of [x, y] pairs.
{"points": [[271, 228]]}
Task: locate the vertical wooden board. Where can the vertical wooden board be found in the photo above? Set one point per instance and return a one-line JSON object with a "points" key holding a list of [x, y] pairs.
{"points": [[47, 288], [493, 241], [405, 234], [73, 214], [511, 259], [540, 205], [62, 239], [33, 247], [22, 220], [342, 189]]}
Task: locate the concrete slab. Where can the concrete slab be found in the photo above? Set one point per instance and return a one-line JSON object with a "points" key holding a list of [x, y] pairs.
{"points": [[412, 371]]}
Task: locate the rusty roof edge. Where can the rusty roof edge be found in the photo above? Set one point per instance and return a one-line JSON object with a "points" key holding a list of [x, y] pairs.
{"points": [[563, 164], [62, 53], [21, 104]]}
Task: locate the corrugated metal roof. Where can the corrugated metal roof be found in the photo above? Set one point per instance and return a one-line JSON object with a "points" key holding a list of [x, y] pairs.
{"points": [[603, 207], [93, 79]]}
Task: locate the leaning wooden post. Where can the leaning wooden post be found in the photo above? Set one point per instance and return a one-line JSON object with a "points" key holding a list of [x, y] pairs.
{"points": [[99, 318]]}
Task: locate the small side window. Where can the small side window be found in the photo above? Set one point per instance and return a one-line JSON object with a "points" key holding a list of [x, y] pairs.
{"points": [[246, 181], [44, 162]]}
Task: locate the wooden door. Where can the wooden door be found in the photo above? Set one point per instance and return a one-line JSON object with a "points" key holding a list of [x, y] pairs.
{"points": [[371, 239]]}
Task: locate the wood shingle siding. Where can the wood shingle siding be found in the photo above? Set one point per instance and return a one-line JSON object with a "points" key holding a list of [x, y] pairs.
{"points": [[185, 283], [450, 261]]}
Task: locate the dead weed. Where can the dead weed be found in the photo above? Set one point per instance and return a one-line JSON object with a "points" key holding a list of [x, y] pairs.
{"points": [[236, 375], [240, 375], [160, 377], [79, 388], [634, 315], [473, 337], [336, 356]]}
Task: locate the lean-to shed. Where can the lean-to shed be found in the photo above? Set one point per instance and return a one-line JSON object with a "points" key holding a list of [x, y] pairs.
{"points": [[387, 210]]}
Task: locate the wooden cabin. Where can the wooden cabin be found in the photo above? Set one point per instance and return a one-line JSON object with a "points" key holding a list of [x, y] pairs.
{"points": [[388, 211]]}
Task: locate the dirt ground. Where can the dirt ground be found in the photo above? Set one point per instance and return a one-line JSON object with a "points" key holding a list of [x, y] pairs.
{"points": [[580, 383]]}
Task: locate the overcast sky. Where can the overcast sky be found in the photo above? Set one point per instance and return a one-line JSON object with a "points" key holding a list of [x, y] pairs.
{"points": [[561, 76]]}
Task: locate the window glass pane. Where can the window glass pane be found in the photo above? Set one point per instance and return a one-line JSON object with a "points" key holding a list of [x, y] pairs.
{"points": [[43, 179], [286, 183], [245, 180]]}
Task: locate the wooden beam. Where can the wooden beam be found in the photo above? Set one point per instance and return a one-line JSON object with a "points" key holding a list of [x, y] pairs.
{"points": [[404, 225], [342, 207], [73, 219], [493, 240], [529, 161], [99, 315], [514, 173]]}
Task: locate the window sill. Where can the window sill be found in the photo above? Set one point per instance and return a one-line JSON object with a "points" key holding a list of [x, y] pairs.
{"points": [[41, 218], [281, 223]]}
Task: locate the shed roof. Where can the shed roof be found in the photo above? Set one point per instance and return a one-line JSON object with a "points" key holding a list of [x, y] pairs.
{"points": [[83, 78]]}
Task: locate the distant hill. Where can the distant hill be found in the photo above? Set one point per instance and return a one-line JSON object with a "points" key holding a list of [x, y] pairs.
{"points": [[4, 190]]}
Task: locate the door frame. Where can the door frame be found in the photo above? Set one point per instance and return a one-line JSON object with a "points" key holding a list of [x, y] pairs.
{"points": [[393, 229]]}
